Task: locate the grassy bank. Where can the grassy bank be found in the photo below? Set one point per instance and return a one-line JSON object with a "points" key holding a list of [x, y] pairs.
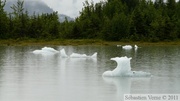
{"points": [[34, 42]]}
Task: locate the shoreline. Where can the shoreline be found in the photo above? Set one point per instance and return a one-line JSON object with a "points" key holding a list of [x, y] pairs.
{"points": [[77, 42]]}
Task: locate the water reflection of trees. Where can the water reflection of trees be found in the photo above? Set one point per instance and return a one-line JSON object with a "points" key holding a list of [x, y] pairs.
{"points": [[2, 50]]}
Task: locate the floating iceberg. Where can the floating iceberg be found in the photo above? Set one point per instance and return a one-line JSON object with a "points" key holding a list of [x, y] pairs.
{"points": [[123, 69], [46, 51], [127, 47], [118, 45], [50, 49], [135, 47], [63, 53], [76, 55]]}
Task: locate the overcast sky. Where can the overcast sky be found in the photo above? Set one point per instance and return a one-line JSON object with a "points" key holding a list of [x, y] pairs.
{"points": [[67, 7]]}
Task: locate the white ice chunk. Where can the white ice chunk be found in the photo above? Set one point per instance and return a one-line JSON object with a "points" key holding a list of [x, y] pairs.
{"points": [[63, 53], [76, 55], [123, 69], [37, 51], [50, 49], [135, 47], [94, 55], [127, 47], [46, 51], [118, 45]]}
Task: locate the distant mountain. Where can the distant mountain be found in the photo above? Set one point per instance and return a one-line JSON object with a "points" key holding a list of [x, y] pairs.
{"points": [[63, 17], [37, 7]]}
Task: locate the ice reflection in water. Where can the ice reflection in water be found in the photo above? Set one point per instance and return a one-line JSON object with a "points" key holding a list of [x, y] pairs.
{"points": [[122, 84]]}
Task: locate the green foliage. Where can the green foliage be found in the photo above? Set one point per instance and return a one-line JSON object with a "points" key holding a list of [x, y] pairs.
{"points": [[3, 21], [20, 25], [129, 20], [117, 28], [113, 20]]}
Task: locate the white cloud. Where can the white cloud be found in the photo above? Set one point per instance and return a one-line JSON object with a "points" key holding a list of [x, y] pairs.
{"points": [[67, 7]]}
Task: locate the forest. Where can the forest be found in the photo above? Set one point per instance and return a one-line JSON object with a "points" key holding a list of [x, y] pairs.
{"points": [[111, 20]]}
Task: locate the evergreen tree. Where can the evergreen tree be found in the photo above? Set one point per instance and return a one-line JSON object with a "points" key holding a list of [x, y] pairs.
{"points": [[3, 21], [112, 20], [18, 19]]}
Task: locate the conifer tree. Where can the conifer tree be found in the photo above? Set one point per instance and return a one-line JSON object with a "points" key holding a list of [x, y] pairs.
{"points": [[3, 21]]}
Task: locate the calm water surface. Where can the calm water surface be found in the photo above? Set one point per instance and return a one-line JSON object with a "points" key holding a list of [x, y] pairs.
{"points": [[25, 76]]}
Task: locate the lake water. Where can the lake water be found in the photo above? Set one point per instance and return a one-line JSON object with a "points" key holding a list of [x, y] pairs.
{"points": [[25, 76]]}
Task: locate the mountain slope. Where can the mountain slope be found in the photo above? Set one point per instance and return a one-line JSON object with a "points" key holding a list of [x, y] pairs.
{"points": [[37, 7]]}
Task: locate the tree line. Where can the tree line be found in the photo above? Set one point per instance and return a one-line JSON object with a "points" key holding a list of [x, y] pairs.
{"points": [[112, 20]]}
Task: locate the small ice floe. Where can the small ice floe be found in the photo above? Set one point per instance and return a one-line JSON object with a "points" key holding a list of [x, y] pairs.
{"points": [[118, 45], [46, 51], [50, 49], [123, 69], [76, 55], [63, 53], [127, 47], [135, 47]]}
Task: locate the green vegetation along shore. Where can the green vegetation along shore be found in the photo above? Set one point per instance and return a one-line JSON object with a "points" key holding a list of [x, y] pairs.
{"points": [[35, 42], [114, 22], [109, 20]]}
